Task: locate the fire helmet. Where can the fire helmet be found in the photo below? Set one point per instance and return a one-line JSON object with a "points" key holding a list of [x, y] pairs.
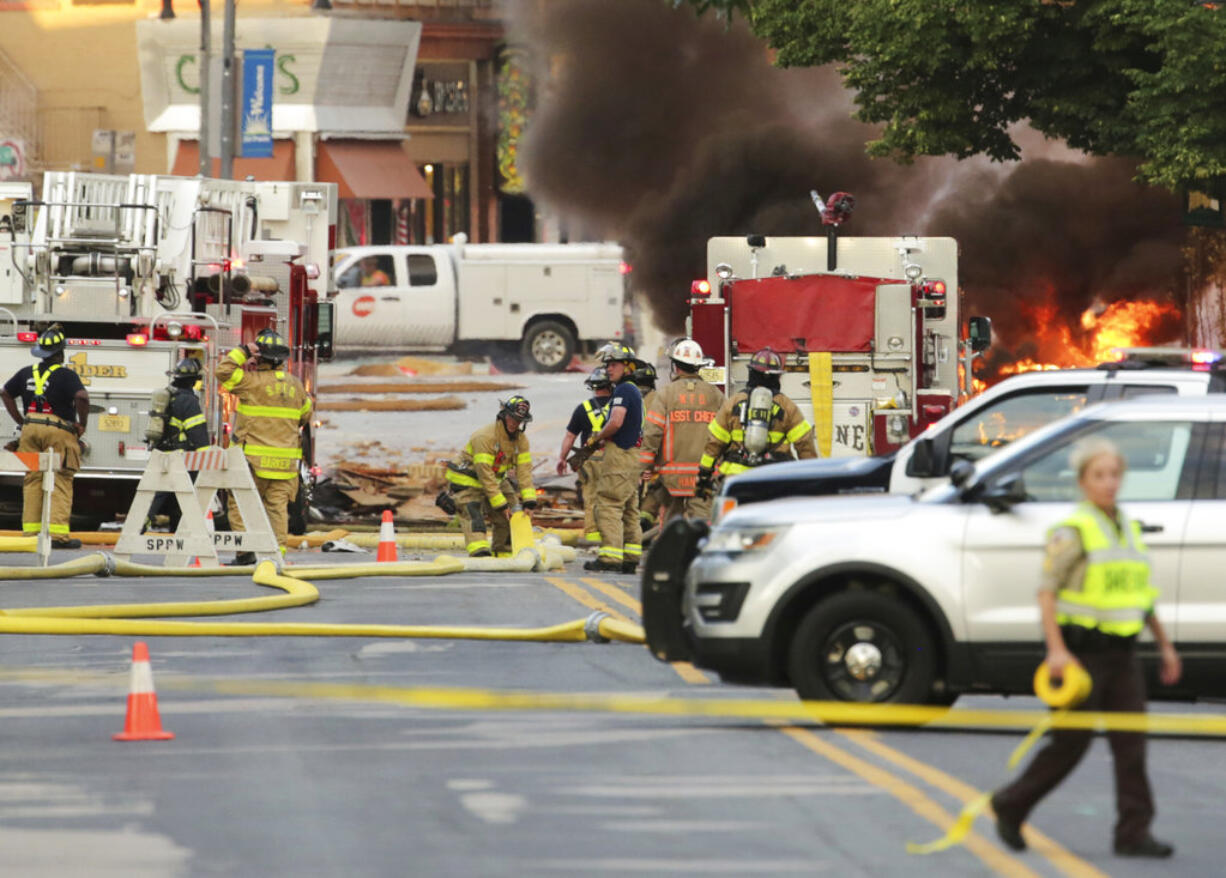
{"points": [[644, 375], [687, 352], [617, 352], [767, 362], [598, 378], [518, 408], [186, 372], [272, 346], [50, 343]]}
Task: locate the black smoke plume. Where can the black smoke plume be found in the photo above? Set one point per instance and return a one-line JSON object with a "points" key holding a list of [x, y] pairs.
{"points": [[661, 128]]}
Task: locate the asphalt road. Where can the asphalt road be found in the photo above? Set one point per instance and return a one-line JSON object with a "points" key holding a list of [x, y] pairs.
{"points": [[257, 784]]}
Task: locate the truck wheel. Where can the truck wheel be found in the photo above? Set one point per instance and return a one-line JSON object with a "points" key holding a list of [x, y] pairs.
{"points": [[862, 646], [548, 346]]}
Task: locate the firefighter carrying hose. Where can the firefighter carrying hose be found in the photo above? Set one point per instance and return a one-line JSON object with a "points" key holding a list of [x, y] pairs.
{"points": [[56, 411], [479, 484], [617, 485], [758, 425], [676, 432], [587, 419], [272, 408]]}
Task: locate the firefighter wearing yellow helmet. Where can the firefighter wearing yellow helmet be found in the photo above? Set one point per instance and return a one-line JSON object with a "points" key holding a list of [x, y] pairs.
{"points": [[272, 407], [758, 425], [479, 479], [54, 412], [617, 484]]}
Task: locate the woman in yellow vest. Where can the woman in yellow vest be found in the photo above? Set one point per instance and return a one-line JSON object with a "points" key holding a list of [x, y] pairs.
{"points": [[1095, 598]]}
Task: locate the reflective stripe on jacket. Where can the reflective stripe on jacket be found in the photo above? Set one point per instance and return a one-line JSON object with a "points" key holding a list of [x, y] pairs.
{"points": [[486, 460], [272, 406], [1115, 594], [788, 429], [676, 431]]}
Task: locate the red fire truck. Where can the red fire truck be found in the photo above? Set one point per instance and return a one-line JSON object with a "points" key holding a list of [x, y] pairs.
{"points": [[869, 329]]}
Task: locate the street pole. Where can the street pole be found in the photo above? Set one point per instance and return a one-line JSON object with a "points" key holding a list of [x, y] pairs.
{"points": [[228, 90], [206, 58]]}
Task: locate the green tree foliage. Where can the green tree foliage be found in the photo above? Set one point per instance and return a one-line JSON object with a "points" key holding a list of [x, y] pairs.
{"points": [[1138, 78]]}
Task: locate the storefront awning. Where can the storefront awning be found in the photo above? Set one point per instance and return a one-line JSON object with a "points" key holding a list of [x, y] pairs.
{"points": [[370, 169], [279, 167]]}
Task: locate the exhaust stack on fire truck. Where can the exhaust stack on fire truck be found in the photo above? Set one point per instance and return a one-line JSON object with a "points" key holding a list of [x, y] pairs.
{"points": [[142, 270]]}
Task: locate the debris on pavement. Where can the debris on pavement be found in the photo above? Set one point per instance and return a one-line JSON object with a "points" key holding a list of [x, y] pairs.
{"points": [[442, 403], [420, 387]]}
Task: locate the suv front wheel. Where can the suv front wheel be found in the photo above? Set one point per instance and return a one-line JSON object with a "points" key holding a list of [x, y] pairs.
{"points": [[862, 646]]}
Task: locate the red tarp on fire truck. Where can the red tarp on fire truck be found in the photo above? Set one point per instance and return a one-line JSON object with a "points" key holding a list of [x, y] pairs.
{"points": [[813, 312]]}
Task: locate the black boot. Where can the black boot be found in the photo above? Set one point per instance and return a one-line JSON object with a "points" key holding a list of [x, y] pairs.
{"points": [[1146, 847], [243, 559], [65, 543], [600, 564]]}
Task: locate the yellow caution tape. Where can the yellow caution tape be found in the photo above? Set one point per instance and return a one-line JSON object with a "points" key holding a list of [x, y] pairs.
{"points": [[1075, 687], [959, 831]]}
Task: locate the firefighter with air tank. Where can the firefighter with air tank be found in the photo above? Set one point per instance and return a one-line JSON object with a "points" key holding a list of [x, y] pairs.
{"points": [[183, 428], [53, 416], [272, 408], [478, 479], [675, 433], [586, 420], [758, 425]]}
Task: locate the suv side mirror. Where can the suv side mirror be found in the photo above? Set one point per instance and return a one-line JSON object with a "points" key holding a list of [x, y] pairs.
{"points": [[1005, 493], [980, 333], [922, 464]]}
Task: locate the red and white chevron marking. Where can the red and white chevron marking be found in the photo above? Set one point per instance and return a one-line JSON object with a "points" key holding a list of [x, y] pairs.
{"points": [[213, 458]]}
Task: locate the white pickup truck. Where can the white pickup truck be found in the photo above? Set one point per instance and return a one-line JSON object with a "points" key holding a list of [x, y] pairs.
{"points": [[535, 304]]}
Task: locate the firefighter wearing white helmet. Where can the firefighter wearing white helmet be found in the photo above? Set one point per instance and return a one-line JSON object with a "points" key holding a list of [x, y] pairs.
{"points": [[675, 434], [272, 407], [758, 425], [617, 483]]}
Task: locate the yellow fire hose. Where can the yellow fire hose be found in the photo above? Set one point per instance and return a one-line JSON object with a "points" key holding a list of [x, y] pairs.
{"points": [[131, 619]]}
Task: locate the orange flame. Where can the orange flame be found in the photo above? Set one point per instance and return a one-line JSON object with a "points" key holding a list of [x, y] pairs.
{"points": [[1119, 325]]}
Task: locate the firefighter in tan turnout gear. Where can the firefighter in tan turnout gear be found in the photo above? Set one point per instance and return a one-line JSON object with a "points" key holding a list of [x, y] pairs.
{"points": [[676, 431], [272, 407], [617, 484], [479, 478], [758, 425], [586, 420], [54, 412]]}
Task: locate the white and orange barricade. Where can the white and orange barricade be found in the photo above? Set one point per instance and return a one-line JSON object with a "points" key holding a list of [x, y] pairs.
{"points": [[33, 462], [217, 469]]}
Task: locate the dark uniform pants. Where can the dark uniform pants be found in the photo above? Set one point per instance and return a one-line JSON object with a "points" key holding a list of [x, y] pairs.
{"points": [[38, 438], [617, 505], [276, 495], [474, 508], [1118, 686]]}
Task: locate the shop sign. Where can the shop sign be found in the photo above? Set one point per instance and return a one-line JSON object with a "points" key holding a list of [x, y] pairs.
{"points": [[12, 159], [437, 96]]}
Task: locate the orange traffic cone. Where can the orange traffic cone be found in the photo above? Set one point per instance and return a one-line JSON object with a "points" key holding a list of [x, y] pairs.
{"points": [[387, 538], [143, 722], [208, 520]]}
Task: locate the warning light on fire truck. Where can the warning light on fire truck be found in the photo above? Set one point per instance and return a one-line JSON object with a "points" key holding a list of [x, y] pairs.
{"points": [[934, 292], [137, 339], [700, 288]]}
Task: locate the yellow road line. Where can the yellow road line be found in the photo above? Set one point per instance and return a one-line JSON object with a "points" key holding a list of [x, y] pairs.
{"points": [[1059, 856], [994, 858], [614, 592], [685, 670], [574, 591]]}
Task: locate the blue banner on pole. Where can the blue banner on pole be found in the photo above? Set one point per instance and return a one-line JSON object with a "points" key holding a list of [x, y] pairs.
{"points": [[257, 103]]}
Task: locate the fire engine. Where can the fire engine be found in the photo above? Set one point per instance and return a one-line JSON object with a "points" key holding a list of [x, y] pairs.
{"points": [[142, 270], [869, 328]]}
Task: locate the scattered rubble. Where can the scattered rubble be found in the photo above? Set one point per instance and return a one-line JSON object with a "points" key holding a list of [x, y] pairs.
{"points": [[414, 366], [419, 387], [442, 403]]}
